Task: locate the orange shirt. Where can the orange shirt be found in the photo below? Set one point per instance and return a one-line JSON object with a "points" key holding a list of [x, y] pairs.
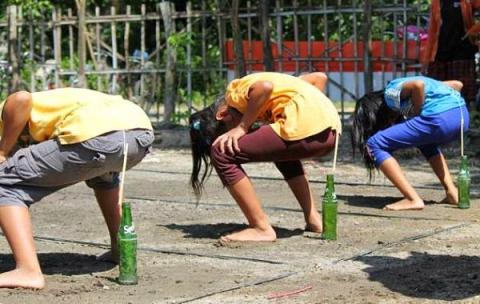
{"points": [[296, 109]]}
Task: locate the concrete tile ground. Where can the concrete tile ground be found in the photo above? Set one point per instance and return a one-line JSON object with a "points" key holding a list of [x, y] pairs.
{"points": [[429, 256]]}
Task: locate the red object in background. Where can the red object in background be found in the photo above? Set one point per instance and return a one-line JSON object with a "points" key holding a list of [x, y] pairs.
{"points": [[382, 54]]}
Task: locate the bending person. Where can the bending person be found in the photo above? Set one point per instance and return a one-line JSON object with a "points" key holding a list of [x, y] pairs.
{"points": [[411, 112], [78, 135], [298, 121]]}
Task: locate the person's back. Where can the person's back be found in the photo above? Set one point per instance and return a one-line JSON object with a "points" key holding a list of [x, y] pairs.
{"points": [[290, 120], [73, 115]]}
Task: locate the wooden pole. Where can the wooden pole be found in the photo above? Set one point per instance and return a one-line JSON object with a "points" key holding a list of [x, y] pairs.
{"points": [[70, 40], [126, 48], [42, 51], [204, 49], [263, 11], [170, 96], [295, 36], [367, 48], [32, 52], [221, 36], [56, 44], [13, 62], [279, 36], [249, 38], [309, 38], [113, 88], [237, 41], [98, 49], [142, 51], [189, 57], [157, 78], [82, 81]]}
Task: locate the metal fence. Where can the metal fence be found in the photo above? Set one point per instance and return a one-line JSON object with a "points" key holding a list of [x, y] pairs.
{"points": [[161, 56]]}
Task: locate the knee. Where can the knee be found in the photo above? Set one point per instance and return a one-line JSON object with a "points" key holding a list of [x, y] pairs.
{"points": [[22, 98], [219, 160]]}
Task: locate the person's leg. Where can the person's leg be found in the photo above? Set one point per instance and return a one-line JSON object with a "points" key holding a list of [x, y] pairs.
{"points": [[426, 133], [260, 229], [106, 186], [301, 189], [449, 131], [411, 200], [108, 202], [260, 146], [17, 227], [411, 133], [295, 176], [440, 167]]}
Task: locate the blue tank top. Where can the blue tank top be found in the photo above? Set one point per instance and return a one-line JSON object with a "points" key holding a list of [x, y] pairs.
{"points": [[439, 97]]}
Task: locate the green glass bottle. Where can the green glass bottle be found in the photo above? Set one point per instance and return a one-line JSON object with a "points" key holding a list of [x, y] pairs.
{"points": [[329, 210], [127, 244], [463, 182]]}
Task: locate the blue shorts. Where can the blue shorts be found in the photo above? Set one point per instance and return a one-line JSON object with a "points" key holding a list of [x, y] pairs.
{"points": [[424, 132]]}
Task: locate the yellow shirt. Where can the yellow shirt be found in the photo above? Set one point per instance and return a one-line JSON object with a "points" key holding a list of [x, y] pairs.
{"points": [[296, 109], [74, 115]]}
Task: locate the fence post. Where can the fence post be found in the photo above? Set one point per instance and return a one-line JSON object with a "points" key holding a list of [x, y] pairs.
{"points": [[57, 45], [167, 10], [237, 41], [81, 43], [367, 47], [13, 62], [263, 8]]}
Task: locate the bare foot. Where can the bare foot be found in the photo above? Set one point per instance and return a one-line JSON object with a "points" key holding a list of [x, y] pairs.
{"points": [[405, 204], [109, 256], [450, 198], [314, 224], [251, 235], [22, 278]]}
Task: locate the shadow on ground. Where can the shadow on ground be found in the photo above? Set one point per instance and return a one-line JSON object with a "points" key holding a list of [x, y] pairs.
{"points": [[377, 202], [62, 263], [427, 276], [215, 231]]}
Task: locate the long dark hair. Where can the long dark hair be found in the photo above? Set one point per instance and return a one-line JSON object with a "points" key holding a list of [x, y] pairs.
{"points": [[204, 129], [370, 116]]}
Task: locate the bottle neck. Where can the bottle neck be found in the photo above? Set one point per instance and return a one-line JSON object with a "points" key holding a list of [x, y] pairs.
{"points": [[126, 215], [464, 163], [330, 183]]}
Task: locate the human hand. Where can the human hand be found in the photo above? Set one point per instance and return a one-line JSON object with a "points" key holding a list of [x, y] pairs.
{"points": [[229, 140]]}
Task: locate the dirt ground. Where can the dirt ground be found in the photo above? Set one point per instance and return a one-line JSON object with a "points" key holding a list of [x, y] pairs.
{"points": [[429, 256]]}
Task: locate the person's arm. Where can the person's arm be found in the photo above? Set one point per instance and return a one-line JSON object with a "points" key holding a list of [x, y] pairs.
{"points": [[317, 79], [415, 91], [258, 94], [454, 84], [15, 115]]}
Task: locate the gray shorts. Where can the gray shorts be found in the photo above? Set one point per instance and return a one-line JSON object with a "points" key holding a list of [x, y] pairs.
{"points": [[41, 169]]}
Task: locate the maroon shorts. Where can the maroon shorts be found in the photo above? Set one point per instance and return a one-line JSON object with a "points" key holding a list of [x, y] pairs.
{"points": [[264, 145]]}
